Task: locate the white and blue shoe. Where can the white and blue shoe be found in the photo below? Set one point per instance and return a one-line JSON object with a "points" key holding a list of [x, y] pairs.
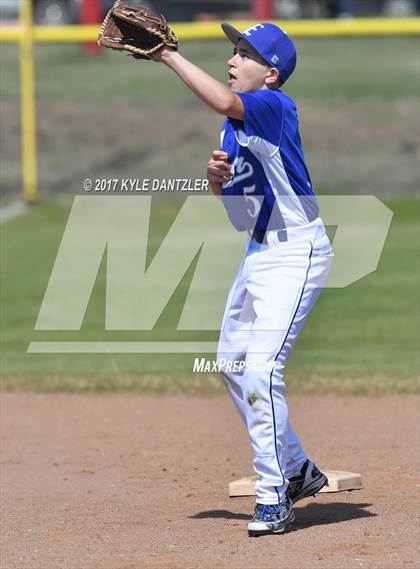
{"points": [[271, 518], [308, 482]]}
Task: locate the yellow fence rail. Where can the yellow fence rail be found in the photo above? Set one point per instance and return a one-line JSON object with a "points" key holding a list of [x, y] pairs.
{"points": [[212, 30], [26, 34], [310, 28]]}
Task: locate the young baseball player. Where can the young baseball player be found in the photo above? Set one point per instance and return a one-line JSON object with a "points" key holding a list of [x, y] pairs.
{"points": [[260, 174]]}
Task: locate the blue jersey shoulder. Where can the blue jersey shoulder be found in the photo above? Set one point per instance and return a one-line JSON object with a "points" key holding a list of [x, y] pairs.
{"points": [[265, 114]]}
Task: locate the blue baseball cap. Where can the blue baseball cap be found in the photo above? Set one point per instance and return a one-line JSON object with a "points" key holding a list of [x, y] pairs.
{"points": [[270, 42]]}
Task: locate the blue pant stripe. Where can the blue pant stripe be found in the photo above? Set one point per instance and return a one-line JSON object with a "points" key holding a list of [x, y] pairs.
{"points": [[275, 359]]}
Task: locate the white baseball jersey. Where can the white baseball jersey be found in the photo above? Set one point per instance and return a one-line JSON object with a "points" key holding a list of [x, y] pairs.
{"points": [[269, 168], [285, 265]]}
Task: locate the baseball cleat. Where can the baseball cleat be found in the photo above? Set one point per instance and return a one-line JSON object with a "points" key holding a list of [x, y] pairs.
{"points": [[307, 483], [271, 518]]}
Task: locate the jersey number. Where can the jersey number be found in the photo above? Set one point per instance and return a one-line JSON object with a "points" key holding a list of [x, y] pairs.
{"points": [[245, 170]]}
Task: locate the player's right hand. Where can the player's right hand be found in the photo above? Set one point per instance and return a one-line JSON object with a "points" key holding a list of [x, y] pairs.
{"points": [[218, 170]]}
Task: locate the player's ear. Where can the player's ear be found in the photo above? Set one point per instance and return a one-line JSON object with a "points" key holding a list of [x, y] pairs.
{"points": [[272, 78]]}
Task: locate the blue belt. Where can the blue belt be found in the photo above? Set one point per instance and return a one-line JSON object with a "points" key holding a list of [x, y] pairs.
{"points": [[260, 236]]}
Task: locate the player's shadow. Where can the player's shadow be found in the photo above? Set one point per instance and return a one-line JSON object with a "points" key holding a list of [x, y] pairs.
{"points": [[226, 514], [315, 514], [318, 514]]}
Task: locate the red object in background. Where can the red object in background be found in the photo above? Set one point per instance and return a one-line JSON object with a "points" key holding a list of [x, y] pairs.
{"points": [[263, 9], [90, 14]]}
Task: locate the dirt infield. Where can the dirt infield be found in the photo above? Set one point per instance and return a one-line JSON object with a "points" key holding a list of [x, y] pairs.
{"points": [[130, 481]]}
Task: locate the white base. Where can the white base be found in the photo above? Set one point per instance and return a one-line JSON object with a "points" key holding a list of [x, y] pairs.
{"points": [[338, 481]]}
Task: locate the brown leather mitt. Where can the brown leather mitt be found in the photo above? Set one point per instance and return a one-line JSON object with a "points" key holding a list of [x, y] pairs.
{"points": [[135, 29]]}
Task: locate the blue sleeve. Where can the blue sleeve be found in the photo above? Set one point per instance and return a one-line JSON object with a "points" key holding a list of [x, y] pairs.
{"points": [[264, 115]]}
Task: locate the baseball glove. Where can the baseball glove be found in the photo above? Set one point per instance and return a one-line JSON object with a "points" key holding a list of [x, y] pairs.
{"points": [[136, 30]]}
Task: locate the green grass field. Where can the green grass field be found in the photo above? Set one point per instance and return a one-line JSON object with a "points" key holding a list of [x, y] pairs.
{"points": [[331, 68], [112, 116], [360, 339], [358, 106]]}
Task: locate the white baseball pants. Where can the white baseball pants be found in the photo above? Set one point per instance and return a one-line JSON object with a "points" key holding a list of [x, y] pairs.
{"points": [[276, 287]]}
